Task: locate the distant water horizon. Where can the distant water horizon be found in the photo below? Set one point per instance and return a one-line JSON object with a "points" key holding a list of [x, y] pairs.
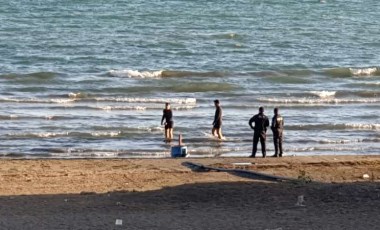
{"points": [[90, 79]]}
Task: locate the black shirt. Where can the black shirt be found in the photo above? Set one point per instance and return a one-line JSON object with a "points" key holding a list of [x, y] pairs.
{"points": [[261, 123], [167, 115], [218, 115]]}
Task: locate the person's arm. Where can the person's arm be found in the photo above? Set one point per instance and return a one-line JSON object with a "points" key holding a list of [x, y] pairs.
{"points": [[163, 117], [266, 122], [250, 122], [273, 122], [219, 118], [216, 117]]}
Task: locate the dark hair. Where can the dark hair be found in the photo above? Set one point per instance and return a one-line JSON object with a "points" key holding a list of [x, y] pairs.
{"points": [[275, 110], [261, 109], [167, 103], [216, 101]]}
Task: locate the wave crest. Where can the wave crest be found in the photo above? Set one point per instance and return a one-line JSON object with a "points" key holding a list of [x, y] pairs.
{"points": [[135, 73], [129, 73], [344, 126], [363, 71], [324, 94], [150, 100], [319, 101], [348, 72]]}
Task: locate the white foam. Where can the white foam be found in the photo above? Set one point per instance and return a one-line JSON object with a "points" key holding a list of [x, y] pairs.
{"points": [[43, 134], [342, 141], [76, 95], [135, 73], [79, 153], [363, 126], [143, 108], [324, 94], [363, 72], [319, 101], [36, 100], [106, 134], [51, 134], [372, 83], [149, 100], [151, 129], [186, 107], [62, 101], [108, 108]]}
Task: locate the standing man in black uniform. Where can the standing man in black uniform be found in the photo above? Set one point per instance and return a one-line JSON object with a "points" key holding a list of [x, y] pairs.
{"points": [[260, 129], [277, 129], [217, 123]]}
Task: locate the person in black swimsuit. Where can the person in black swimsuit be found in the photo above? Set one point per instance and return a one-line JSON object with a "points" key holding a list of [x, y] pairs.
{"points": [[168, 117], [217, 123]]}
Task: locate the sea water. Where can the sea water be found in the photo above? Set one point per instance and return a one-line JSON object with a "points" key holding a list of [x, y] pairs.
{"points": [[90, 78]]}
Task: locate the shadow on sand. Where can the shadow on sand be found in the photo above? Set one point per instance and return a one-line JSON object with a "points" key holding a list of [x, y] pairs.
{"points": [[249, 205]]}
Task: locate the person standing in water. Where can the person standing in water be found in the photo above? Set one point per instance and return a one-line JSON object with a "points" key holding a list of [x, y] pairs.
{"points": [[261, 123], [277, 129], [217, 123], [168, 117]]}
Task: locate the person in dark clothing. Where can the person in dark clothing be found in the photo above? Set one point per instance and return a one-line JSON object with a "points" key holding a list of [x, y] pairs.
{"points": [[277, 129], [217, 123], [261, 123], [168, 117]]}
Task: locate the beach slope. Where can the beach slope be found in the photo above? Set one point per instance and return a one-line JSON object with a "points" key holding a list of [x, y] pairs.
{"points": [[163, 194]]}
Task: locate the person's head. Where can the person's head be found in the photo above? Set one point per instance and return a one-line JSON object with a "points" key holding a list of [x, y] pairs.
{"points": [[167, 105], [261, 109], [275, 111], [216, 102]]}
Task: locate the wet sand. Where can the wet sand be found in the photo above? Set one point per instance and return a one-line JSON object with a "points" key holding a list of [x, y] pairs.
{"points": [[163, 194]]}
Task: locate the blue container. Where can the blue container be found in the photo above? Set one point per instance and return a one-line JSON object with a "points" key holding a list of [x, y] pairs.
{"points": [[179, 151]]}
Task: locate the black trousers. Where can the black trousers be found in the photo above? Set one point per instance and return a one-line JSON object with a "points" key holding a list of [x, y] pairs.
{"points": [[277, 140], [256, 137]]}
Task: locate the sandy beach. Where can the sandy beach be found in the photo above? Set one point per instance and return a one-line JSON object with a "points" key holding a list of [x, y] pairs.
{"points": [[164, 194]]}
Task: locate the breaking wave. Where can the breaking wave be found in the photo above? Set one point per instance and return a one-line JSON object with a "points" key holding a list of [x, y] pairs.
{"points": [[364, 71], [38, 100], [324, 94], [129, 73], [338, 72], [75, 98], [319, 101], [142, 108], [355, 126], [349, 72], [149, 100], [135, 73], [124, 132]]}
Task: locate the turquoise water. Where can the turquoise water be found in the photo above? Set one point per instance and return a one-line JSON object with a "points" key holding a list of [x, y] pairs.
{"points": [[90, 78]]}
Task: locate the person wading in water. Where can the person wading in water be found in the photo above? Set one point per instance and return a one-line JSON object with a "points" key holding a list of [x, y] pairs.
{"points": [[217, 123], [168, 117]]}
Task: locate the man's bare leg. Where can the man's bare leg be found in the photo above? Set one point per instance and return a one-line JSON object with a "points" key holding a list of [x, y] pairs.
{"points": [[213, 131], [170, 134], [220, 135], [166, 134]]}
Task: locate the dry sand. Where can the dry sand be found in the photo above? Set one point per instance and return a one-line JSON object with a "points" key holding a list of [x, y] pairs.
{"points": [[163, 194]]}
